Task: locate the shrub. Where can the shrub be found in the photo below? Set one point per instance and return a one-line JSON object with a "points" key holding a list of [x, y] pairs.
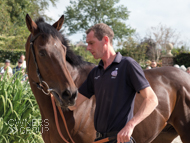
{"points": [[182, 59], [12, 55], [18, 109]]}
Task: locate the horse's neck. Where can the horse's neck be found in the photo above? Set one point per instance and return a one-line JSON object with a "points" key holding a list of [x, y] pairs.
{"points": [[76, 120], [80, 73]]}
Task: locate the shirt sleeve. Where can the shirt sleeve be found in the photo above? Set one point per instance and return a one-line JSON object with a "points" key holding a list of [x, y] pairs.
{"points": [[137, 77], [87, 88], [2, 71]]}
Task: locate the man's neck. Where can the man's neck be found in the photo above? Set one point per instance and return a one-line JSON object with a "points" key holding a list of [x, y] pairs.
{"points": [[108, 58]]}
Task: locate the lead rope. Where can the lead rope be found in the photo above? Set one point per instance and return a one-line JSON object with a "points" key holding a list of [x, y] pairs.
{"points": [[63, 118], [64, 121]]}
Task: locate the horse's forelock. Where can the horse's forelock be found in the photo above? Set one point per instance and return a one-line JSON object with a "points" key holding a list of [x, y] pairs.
{"points": [[39, 20]]}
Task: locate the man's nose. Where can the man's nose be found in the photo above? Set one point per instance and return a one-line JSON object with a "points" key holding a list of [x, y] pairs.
{"points": [[88, 48]]}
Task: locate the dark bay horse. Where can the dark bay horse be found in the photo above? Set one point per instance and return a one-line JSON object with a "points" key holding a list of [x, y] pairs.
{"points": [[54, 63]]}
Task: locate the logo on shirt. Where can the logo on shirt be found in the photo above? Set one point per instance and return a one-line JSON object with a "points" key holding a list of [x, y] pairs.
{"points": [[114, 73], [96, 77]]}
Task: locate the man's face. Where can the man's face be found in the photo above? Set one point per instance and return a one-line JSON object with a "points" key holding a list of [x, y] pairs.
{"points": [[19, 64], [7, 64], [95, 46], [22, 57], [153, 64]]}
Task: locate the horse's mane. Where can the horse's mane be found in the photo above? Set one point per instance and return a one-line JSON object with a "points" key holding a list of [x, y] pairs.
{"points": [[48, 30]]}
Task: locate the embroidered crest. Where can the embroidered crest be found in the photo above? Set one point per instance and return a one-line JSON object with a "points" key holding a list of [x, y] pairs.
{"points": [[114, 73], [96, 77]]}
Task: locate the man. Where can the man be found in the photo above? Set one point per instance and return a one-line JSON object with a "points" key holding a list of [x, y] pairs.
{"points": [[7, 67], [22, 57], [188, 70], [18, 67], [114, 82], [153, 64]]}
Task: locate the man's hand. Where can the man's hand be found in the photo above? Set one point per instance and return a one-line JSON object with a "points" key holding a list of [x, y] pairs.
{"points": [[80, 99], [148, 105], [71, 108], [124, 135]]}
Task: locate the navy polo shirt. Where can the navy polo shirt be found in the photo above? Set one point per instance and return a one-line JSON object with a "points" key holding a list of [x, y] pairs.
{"points": [[114, 89]]}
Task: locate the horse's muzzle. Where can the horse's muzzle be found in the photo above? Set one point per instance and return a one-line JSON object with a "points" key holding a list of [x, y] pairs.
{"points": [[69, 97]]}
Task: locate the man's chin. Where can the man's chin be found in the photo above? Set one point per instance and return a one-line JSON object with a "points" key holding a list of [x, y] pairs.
{"points": [[96, 57]]}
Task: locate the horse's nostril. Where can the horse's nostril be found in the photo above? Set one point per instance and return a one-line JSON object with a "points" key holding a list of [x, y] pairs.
{"points": [[66, 94], [74, 95]]}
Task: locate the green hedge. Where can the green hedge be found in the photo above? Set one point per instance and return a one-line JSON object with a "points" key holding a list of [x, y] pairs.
{"points": [[182, 59], [12, 55]]}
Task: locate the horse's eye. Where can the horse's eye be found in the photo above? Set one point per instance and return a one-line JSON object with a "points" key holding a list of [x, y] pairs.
{"points": [[42, 53]]}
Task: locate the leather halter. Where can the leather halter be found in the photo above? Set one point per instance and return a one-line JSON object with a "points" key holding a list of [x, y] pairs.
{"points": [[41, 83]]}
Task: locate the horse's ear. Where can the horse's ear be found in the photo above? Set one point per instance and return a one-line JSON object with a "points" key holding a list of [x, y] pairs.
{"points": [[30, 24], [57, 25]]}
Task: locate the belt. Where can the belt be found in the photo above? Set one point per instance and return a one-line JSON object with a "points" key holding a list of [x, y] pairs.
{"points": [[110, 136], [104, 135]]}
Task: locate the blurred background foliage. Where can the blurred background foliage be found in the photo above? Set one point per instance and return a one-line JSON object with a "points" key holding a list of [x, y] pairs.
{"points": [[13, 31], [79, 16], [19, 111], [181, 59]]}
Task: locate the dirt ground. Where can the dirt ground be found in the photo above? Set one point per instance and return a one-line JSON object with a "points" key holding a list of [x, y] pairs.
{"points": [[177, 140]]}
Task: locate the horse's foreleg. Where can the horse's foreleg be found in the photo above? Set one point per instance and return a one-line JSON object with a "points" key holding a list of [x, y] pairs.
{"points": [[180, 118], [167, 135], [182, 126]]}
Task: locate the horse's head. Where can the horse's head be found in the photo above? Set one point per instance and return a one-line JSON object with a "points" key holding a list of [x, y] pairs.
{"points": [[46, 51]]}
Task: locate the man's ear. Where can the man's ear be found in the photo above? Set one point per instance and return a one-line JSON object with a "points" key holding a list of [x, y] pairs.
{"points": [[106, 39]]}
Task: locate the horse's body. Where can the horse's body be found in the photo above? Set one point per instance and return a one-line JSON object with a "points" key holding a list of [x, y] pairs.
{"points": [[65, 72]]}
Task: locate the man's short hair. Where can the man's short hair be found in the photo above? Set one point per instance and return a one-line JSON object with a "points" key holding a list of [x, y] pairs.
{"points": [[101, 30], [20, 61], [7, 61]]}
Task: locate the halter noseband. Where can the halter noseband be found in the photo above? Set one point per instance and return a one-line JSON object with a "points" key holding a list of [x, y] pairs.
{"points": [[41, 83]]}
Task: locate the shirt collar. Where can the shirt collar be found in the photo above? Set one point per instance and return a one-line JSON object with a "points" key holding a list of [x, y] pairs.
{"points": [[116, 60]]}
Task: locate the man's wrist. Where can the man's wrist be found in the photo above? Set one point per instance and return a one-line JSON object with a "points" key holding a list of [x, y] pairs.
{"points": [[71, 108], [131, 123]]}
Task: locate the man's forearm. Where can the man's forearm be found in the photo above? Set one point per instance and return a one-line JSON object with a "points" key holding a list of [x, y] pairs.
{"points": [[147, 107]]}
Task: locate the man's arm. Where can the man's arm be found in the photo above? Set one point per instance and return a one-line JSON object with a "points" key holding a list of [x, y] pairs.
{"points": [[148, 105], [80, 99]]}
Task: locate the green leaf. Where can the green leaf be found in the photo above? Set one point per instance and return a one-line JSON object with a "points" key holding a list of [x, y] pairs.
{"points": [[82, 14], [4, 104]]}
